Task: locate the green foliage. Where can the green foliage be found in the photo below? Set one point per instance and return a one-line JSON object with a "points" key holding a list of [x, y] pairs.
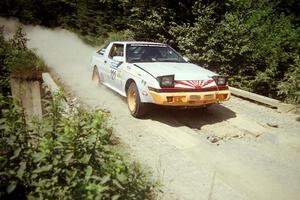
{"points": [[154, 27], [65, 157], [289, 87], [125, 35], [252, 44], [17, 60], [20, 60], [191, 38], [255, 43], [4, 71]]}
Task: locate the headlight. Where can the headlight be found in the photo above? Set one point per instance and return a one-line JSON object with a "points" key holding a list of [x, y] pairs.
{"points": [[166, 81], [220, 80]]}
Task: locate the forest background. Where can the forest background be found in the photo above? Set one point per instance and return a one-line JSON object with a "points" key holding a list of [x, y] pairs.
{"points": [[256, 43]]}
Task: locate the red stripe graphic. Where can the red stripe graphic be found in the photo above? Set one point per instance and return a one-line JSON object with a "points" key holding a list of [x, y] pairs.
{"points": [[197, 84]]}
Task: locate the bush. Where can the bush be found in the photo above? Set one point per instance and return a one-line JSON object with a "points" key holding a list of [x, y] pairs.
{"points": [[125, 35], [289, 87], [4, 71], [20, 60], [65, 157], [17, 60], [154, 26], [251, 43]]}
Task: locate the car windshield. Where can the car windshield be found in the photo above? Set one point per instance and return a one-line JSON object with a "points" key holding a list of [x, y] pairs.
{"points": [[151, 53]]}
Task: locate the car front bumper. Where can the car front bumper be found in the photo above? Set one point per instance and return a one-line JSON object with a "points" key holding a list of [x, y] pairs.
{"points": [[189, 98]]}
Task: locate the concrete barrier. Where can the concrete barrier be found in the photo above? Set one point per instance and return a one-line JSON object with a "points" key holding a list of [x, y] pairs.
{"points": [[281, 107], [28, 94], [49, 83]]}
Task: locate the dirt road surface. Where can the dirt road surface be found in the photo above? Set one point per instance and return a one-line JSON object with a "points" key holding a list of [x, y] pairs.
{"points": [[235, 150]]}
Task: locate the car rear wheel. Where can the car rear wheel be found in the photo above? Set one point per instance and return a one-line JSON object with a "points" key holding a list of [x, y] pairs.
{"points": [[136, 107], [95, 76]]}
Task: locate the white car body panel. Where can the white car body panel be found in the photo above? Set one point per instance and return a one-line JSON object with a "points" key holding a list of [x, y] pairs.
{"points": [[115, 75], [182, 71]]}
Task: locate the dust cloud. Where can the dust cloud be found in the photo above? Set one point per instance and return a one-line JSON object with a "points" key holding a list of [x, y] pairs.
{"points": [[68, 57], [58, 47]]}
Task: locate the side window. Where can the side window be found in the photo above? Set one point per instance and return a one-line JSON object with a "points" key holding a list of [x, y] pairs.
{"points": [[167, 53], [116, 50]]}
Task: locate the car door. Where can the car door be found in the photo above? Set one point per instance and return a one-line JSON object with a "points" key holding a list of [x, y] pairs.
{"points": [[113, 65], [98, 60]]}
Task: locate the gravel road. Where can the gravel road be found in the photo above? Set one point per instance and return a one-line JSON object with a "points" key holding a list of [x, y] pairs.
{"points": [[235, 150]]}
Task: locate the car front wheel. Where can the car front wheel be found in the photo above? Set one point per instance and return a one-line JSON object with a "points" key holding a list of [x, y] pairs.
{"points": [[136, 107]]}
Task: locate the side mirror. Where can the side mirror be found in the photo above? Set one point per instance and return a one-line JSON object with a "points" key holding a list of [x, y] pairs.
{"points": [[119, 58], [186, 59], [101, 51]]}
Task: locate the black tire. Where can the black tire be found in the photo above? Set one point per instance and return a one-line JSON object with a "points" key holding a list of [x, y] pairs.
{"points": [[95, 75], [136, 107]]}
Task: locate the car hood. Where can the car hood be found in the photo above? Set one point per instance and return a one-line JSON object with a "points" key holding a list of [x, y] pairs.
{"points": [[182, 71]]}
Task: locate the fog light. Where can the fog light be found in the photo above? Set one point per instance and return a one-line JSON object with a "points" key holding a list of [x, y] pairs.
{"points": [[179, 99], [169, 99], [221, 96]]}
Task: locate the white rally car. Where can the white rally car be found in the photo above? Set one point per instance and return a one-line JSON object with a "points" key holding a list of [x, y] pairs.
{"points": [[154, 73]]}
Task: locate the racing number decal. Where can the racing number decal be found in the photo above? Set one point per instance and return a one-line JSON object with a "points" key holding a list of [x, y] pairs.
{"points": [[113, 73]]}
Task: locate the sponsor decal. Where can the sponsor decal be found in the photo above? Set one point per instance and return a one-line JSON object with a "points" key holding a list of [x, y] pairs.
{"points": [[114, 70], [113, 74], [115, 64]]}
